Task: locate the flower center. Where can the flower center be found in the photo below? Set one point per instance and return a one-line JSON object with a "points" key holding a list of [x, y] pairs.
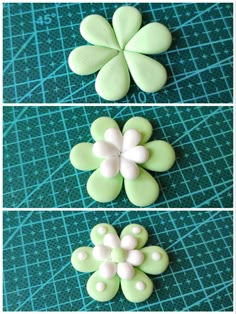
{"points": [[119, 255]]}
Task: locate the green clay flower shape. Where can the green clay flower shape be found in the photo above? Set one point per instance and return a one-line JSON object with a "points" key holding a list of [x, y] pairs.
{"points": [[120, 261], [119, 157], [118, 52]]}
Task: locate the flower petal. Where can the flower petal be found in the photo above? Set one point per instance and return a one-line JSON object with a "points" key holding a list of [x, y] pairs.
{"points": [[100, 231], [148, 74], [114, 136], [86, 60], [82, 157], [104, 149], [128, 169], [102, 189], [101, 289], [155, 260], [82, 260], [142, 125], [138, 154], [97, 31], [113, 80], [99, 127], [131, 138], [126, 22], [153, 38], [110, 167], [142, 191], [137, 289], [137, 231], [125, 270], [161, 156]]}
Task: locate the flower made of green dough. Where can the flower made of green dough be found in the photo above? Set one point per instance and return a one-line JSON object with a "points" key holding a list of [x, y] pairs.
{"points": [[119, 51], [120, 261], [121, 157]]}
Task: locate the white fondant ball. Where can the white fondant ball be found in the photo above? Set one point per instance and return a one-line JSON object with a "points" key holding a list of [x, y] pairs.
{"points": [[100, 286], [111, 240], [107, 269], [156, 256], [135, 257], [128, 242], [136, 230], [101, 252], [82, 256], [140, 285], [102, 229], [125, 270]]}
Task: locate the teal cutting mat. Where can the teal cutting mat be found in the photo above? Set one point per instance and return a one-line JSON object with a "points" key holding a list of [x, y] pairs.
{"points": [[38, 275], [37, 142], [38, 37]]}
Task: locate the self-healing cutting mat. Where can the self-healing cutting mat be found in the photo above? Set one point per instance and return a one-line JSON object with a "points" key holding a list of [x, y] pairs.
{"points": [[38, 275], [37, 142], [38, 37]]}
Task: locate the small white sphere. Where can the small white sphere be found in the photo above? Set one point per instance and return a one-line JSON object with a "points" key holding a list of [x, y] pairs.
{"points": [[82, 255], [102, 229], [136, 230], [156, 256], [107, 269], [135, 257], [125, 270], [101, 252], [100, 286], [128, 242], [140, 285], [111, 240]]}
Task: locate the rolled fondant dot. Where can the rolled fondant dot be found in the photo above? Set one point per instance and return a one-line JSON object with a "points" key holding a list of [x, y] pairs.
{"points": [[82, 256], [100, 286], [140, 285], [136, 230], [128, 242], [107, 269], [156, 256], [111, 240], [135, 257], [102, 230], [125, 270], [101, 252]]}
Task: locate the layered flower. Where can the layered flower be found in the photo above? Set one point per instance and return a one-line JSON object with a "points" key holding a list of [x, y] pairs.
{"points": [[118, 52], [120, 261], [121, 157]]}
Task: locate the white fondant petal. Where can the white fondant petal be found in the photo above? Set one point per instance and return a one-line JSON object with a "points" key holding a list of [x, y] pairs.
{"points": [[101, 252], [125, 270], [103, 149], [128, 169], [114, 136], [131, 138], [111, 240], [138, 154], [107, 269], [128, 242], [110, 167], [135, 257]]}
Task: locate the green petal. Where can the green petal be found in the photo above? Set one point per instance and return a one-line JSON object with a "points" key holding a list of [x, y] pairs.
{"points": [[113, 80], [142, 191], [83, 260], [153, 38], [148, 74], [83, 158], [155, 260], [99, 231], [126, 22], [103, 189], [99, 127], [161, 156], [109, 286], [137, 289], [143, 126], [86, 60], [137, 231], [97, 31]]}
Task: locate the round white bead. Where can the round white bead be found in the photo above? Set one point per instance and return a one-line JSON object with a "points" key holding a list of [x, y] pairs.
{"points": [[82, 256], [136, 230], [128, 242], [100, 286], [125, 270], [111, 240], [140, 285], [156, 256], [102, 229], [101, 252], [107, 269], [135, 257]]}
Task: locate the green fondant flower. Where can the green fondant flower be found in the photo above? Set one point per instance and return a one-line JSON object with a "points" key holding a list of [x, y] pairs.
{"points": [[118, 52], [122, 156], [120, 261]]}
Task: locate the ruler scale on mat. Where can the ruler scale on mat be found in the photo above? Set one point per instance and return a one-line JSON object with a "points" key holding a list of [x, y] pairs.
{"points": [[38, 37], [38, 275], [37, 143]]}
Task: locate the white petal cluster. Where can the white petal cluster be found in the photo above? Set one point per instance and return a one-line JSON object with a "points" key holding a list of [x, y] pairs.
{"points": [[121, 153]]}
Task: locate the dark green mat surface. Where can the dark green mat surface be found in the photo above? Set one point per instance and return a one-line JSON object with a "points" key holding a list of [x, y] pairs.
{"points": [[38, 275], [37, 142], [38, 37]]}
